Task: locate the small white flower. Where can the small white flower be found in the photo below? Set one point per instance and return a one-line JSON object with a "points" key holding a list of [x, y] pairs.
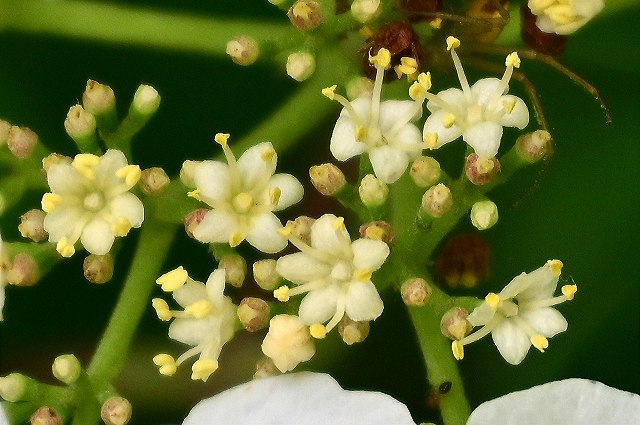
{"points": [[381, 129], [564, 16], [206, 323], [90, 201], [3, 278], [521, 314], [335, 273], [303, 398], [288, 342], [476, 113], [243, 195], [570, 401]]}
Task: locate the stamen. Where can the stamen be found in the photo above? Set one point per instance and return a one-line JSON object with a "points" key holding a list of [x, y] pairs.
{"points": [[555, 266], [85, 163], [282, 294], [236, 179], [274, 195], [195, 194], [65, 248], [458, 350], [318, 331], [166, 363], [330, 93], [235, 239], [337, 317], [338, 224], [569, 291], [492, 300], [50, 201], [452, 44], [121, 227], [382, 59], [431, 140], [221, 138], [448, 120], [199, 309], [540, 342], [130, 174], [162, 309], [203, 368], [363, 275], [173, 280]]}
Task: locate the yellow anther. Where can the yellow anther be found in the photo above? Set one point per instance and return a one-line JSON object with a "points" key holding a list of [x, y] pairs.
{"points": [[513, 60], [130, 174], [203, 368], [50, 201], [285, 231], [361, 133], [431, 140], [282, 294], [452, 43], [173, 280], [436, 23], [166, 363], [235, 239], [330, 92], [509, 105], [382, 59], [374, 232], [162, 309], [492, 300], [407, 66], [274, 195], [195, 194], [448, 120], [85, 163], [121, 227], [318, 331], [569, 291], [65, 248], [338, 223], [425, 80], [416, 90], [268, 155], [221, 138], [199, 309], [555, 266], [540, 342], [458, 350], [363, 275]]}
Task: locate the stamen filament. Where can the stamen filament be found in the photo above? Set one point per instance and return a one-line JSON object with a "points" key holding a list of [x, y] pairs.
{"points": [[375, 97], [463, 78]]}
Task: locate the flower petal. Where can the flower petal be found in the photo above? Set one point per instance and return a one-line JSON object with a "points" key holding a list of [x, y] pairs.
{"points": [[363, 302], [519, 115], [300, 268], [454, 98], [291, 191], [485, 90], [325, 238], [65, 180], [434, 125], [263, 233], [343, 143], [190, 331], [388, 163], [62, 222], [192, 291], [253, 167], [546, 321], [512, 342], [320, 305], [369, 254], [109, 164], [97, 237], [213, 180], [128, 205], [215, 287], [392, 111], [484, 138], [216, 226]]}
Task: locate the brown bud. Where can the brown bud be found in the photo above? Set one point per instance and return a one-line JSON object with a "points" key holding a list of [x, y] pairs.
{"points": [[533, 146], [454, 324], [481, 171], [265, 274], [437, 200], [415, 292], [21, 141], [116, 411], [98, 98], [352, 332], [253, 313], [464, 260], [24, 270], [327, 179], [193, 219], [32, 225], [306, 15], [425, 171], [235, 268], [98, 268], [45, 416], [377, 230], [154, 181], [496, 15], [301, 228]]}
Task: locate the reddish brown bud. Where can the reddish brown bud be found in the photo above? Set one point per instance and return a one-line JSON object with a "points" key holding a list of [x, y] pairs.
{"points": [[253, 313], [377, 230], [306, 15], [45, 416], [481, 171], [416, 292], [24, 270], [98, 268], [21, 141], [32, 225], [464, 260], [193, 219]]}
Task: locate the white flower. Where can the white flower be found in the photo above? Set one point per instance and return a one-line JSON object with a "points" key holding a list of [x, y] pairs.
{"points": [[476, 113], [3, 278], [564, 16], [243, 195], [521, 314], [382, 129], [206, 323], [90, 201], [288, 342], [570, 401], [303, 398], [335, 272]]}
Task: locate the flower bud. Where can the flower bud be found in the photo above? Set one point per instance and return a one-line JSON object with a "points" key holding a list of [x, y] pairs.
{"points": [[288, 342], [53, 159], [377, 230], [437, 200], [79, 123], [116, 411], [365, 10], [21, 141], [358, 87], [464, 260], [352, 332], [32, 225], [66, 368], [301, 228], [4, 131], [187, 173], [45, 416], [533, 146], [265, 368], [481, 171], [265, 274], [484, 214], [146, 100], [496, 12], [454, 324], [98, 99], [425, 171], [373, 192], [193, 219], [13, 387], [253, 313], [243, 50], [327, 179], [98, 268], [235, 269], [153, 181], [415, 292], [301, 65], [24, 270], [306, 15]]}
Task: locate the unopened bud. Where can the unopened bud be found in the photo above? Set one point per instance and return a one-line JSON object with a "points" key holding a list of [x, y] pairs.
{"points": [[484, 214], [301, 228], [79, 123], [454, 324], [437, 200], [24, 270], [415, 292], [32, 225], [21, 141], [66, 368], [98, 268], [98, 99], [235, 269], [46, 416], [243, 50], [358, 87], [365, 10], [327, 179], [306, 15], [532, 147], [146, 100], [425, 171], [481, 171], [116, 411], [301, 65], [265, 274], [352, 332], [13, 387], [253, 313], [53, 159], [265, 368], [489, 11], [373, 192], [153, 181], [193, 219], [187, 173], [4, 131], [377, 230]]}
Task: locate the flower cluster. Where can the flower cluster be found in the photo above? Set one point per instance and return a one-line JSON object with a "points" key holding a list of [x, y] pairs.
{"points": [[564, 16]]}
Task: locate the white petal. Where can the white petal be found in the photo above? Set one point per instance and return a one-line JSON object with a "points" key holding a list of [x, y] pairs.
{"points": [[369, 254], [128, 205], [485, 90], [216, 226], [512, 342], [97, 237], [455, 98], [519, 115], [300, 268], [543, 285], [546, 321], [189, 293], [65, 180], [484, 138], [62, 222], [291, 190], [343, 143], [110, 162], [571, 401], [190, 331], [363, 301], [320, 305], [388, 163], [392, 111], [517, 285], [325, 238], [481, 315], [213, 180], [263, 233], [215, 287], [252, 165], [434, 125], [408, 138]]}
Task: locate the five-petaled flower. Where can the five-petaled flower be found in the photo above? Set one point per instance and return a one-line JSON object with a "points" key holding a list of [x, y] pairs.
{"points": [[521, 315], [564, 16], [243, 195], [90, 201]]}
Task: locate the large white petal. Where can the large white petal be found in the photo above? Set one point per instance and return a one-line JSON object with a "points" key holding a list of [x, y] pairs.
{"points": [[388, 163], [392, 111], [363, 302], [481, 315], [215, 287], [109, 164], [189, 293], [128, 205], [434, 125], [216, 226], [485, 90], [252, 165], [62, 222], [454, 98], [570, 401], [291, 190], [369, 254], [301, 268], [190, 331], [484, 138], [325, 238], [97, 237], [512, 342], [543, 285], [303, 398], [519, 115], [546, 321], [213, 180], [320, 305], [65, 180], [343, 144], [263, 233]]}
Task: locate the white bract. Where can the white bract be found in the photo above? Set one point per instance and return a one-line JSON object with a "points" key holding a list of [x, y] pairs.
{"points": [[303, 398], [243, 195], [288, 342], [477, 113], [381, 129], [90, 201], [564, 16], [335, 273], [521, 315], [206, 323]]}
